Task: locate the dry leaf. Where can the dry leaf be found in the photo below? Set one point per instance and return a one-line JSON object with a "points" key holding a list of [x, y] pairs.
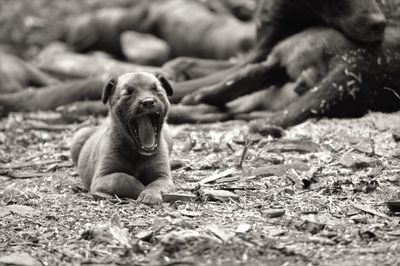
{"points": [[356, 161], [243, 228], [220, 195], [219, 232], [273, 213], [113, 233], [22, 210], [178, 196], [19, 259], [144, 235], [191, 213]]}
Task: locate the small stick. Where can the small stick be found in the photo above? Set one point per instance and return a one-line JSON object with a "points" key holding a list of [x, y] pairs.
{"points": [[370, 210], [217, 176], [28, 164], [372, 143], [244, 152]]}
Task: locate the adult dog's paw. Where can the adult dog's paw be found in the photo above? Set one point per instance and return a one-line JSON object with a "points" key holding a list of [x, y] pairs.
{"points": [[150, 196], [267, 123], [256, 125], [176, 68], [193, 98]]}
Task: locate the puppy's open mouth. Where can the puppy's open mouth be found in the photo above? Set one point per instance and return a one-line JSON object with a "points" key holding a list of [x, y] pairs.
{"points": [[146, 131]]}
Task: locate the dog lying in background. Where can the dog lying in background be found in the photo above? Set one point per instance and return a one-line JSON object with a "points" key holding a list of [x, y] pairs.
{"points": [[317, 72], [17, 74], [128, 155], [276, 20], [294, 65]]}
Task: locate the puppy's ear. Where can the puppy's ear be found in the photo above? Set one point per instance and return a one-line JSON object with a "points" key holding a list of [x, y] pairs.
{"points": [[109, 89], [165, 83]]}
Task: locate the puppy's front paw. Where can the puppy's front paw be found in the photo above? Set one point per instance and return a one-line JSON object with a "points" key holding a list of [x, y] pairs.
{"points": [[150, 196]]}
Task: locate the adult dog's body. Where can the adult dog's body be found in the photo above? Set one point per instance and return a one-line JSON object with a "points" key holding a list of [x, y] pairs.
{"points": [[127, 156], [276, 20]]}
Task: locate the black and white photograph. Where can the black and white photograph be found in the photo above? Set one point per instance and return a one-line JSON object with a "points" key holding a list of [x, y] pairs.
{"points": [[200, 132]]}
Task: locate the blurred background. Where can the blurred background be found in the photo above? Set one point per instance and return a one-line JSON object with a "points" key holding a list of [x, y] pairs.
{"points": [[28, 26]]}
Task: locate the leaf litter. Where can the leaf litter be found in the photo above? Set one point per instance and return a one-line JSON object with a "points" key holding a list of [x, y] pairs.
{"points": [[292, 201]]}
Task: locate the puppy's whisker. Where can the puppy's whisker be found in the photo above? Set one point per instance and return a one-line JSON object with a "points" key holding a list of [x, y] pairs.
{"points": [[125, 116]]}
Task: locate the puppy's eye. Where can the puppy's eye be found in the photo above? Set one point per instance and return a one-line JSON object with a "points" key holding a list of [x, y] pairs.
{"points": [[125, 92], [154, 87]]}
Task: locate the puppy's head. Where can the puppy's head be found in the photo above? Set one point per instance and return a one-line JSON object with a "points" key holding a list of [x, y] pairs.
{"points": [[138, 104]]}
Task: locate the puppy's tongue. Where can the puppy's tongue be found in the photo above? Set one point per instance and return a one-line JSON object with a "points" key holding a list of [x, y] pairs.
{"points": [[147, 135]]}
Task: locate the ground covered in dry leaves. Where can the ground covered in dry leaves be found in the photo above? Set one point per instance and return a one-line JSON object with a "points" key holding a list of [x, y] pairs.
{"points": [[320, 195]]}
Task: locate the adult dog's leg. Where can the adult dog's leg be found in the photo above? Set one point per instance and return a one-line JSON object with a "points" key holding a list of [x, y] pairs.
{"points": [[217, 79], [40, 78], [84, 108], [251, 78], [186, 87], [48, 98], [270, 99], [258, 54], [201, 113], [187, 68], [332, 90]]}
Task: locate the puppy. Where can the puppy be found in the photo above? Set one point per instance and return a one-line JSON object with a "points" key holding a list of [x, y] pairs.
{"points": [[128, 155]]}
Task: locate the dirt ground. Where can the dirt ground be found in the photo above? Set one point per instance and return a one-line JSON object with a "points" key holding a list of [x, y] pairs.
{"points": [[327, 207]]}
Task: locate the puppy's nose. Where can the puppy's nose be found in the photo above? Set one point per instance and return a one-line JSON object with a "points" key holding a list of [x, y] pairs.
{"points": [[377, 24], [148, 103]]}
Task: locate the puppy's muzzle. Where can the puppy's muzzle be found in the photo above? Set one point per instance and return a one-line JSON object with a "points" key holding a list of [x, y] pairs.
{"points": [[146, 124], [148, 103]]}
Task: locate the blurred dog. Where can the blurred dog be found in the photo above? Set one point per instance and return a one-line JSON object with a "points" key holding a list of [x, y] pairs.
{"points": [[16, 74], [128, 155]]}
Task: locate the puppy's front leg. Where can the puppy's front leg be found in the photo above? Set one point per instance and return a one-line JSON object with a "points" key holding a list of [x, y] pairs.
{"points": [[153, 191], [120, 184], [156, 175]]}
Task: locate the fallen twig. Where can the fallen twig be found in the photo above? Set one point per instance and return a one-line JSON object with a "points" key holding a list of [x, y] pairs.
{"points": [[24, 175], [28, 164], [39, 125], [217, 176], [277, 170], [370, 210], [244, 152]]}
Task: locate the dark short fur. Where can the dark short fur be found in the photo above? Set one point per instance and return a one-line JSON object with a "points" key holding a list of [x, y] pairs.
{"points": [[112, 158], [277, 19], [360, 20]]}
